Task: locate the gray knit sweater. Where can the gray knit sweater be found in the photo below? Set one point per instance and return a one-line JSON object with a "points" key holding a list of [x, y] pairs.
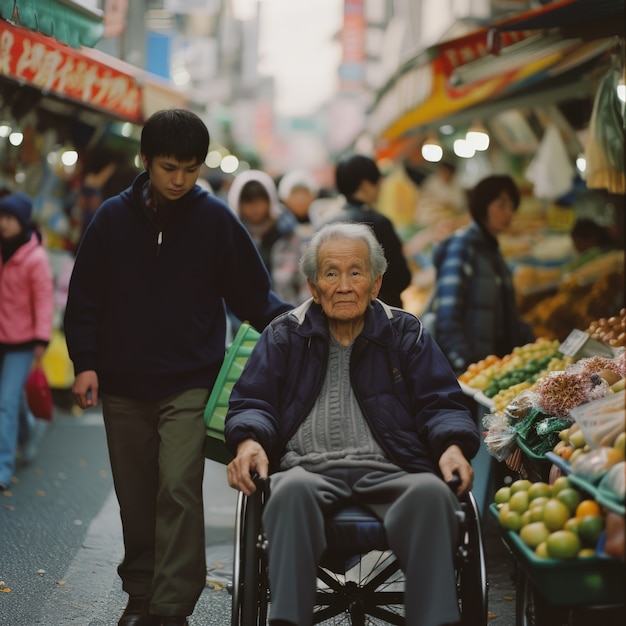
{"points": [[335, 432]]}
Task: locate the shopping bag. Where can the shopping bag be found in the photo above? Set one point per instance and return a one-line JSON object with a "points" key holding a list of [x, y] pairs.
{"points": [[217, 405], [38, 394]]}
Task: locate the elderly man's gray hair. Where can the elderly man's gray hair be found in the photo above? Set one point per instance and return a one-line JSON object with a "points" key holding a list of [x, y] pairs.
{"points": [[343, 230]]}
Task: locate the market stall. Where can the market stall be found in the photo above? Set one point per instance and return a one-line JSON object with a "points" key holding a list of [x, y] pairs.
{"points": [[555, 413]]}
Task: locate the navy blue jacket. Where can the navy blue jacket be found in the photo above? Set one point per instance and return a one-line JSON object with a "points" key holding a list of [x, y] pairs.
{"points": [[146, 311], [403, 383]]}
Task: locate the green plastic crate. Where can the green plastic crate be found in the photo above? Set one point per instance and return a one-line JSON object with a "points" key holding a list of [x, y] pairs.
{"points": [[592, 581], [217, 405]]}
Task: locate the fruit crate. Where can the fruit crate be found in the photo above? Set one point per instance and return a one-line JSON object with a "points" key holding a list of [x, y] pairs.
{"points": [[537, 466], [602, 496], [591, 581]]}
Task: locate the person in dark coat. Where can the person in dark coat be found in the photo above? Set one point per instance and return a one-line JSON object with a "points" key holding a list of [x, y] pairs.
{"points": [[346, 399], [473, 296], [359, 180], [145, 326]]}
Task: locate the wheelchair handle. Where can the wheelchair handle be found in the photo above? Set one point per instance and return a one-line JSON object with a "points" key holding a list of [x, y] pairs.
{"points": [[454, 482], [262, 484]]}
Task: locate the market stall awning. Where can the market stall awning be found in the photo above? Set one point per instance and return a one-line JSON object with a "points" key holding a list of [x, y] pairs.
{"points": [[88, 77], [567, 13], [461, 74]]}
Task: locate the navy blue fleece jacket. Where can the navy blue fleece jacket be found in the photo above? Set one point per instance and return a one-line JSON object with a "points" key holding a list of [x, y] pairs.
{"points": [[146, 302]]}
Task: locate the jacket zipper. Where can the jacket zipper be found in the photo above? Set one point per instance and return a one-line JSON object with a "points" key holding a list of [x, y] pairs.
{"points": [[159, 242]]}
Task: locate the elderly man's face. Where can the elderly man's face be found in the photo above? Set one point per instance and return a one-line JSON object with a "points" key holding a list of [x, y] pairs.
{"points": [[344, 288]]}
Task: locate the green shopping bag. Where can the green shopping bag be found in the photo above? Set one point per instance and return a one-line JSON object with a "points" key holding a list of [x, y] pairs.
{"points": [[217, 405]]}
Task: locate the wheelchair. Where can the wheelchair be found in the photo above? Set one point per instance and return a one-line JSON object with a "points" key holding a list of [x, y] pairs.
{"points": [[359, 581]]}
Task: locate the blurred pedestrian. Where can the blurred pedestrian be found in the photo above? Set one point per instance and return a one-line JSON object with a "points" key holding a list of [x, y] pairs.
{"points": [[297, 190], [26, 310], [473, 297], [359, 180], [253, 196], [145, 327]]}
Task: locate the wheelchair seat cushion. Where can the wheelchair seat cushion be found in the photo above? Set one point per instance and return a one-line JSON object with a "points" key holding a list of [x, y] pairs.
{"points": [[354, 530]]}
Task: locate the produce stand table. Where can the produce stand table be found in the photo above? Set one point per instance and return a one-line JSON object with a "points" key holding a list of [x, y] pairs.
{"points": [[548, 589]]}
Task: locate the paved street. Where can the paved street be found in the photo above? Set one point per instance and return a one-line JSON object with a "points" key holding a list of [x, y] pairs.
{"points": [[60, 539]]}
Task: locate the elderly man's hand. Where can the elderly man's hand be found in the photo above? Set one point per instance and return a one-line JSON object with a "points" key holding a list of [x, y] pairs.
{"points": [[453, 461], [250, 458]]}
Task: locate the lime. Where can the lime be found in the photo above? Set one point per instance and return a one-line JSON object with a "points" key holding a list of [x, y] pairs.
{"points": [[519, 501], [538, 502], [590, 528], [502, 495], [569, 497], [533, 534], [562, 482], [542, 550], [555, 514], [523, 484], [563, 544], [539, 490], [585, 553], [511, 520]]}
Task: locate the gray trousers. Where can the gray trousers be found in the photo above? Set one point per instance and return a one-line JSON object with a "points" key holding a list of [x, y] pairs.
{"points": [[157, 460], [418, 513]]}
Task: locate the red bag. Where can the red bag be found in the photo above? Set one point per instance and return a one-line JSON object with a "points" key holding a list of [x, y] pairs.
{"points": [[38, 394]]}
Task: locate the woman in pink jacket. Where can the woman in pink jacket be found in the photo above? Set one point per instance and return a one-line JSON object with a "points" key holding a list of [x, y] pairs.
{"points": [[26, 307]]}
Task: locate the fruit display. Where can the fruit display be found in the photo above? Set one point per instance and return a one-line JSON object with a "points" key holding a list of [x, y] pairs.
{"points": [[539, 417], [556, 521]]}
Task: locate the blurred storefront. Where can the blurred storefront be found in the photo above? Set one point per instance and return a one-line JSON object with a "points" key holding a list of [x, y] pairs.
{"points": [[543, 89]]}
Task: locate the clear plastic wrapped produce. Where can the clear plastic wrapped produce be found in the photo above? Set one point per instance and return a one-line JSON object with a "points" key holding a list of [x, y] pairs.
{"points": [[500, 436]]}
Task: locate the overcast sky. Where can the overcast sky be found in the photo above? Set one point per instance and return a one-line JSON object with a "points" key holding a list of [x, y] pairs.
{"points": [[299, 49]]}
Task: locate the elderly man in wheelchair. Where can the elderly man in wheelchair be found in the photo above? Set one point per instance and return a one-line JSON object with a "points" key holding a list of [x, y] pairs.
{"points": [[345, 400]]}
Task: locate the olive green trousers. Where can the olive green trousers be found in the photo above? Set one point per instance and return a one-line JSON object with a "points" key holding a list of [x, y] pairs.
{"points": [[156, 449]]}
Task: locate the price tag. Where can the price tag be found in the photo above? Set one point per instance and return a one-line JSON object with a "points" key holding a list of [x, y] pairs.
{"points": [[579, 344]]}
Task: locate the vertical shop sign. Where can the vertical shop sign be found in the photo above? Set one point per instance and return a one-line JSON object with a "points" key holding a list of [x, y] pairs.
{"points": [[43, 62], [352, 68]]}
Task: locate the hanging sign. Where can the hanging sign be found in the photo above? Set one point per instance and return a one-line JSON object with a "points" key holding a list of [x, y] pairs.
{"points": [[44, 63]]}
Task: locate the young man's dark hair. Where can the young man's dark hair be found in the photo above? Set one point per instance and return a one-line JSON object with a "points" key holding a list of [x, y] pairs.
{"points": [[175, 133]]}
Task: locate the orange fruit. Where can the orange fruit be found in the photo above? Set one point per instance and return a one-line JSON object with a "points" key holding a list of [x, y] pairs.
{"points": [[563, 544], [555, 514], [588, 507]]}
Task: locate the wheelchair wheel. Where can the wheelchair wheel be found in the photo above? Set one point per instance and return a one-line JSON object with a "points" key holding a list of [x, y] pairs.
{"points": [[367, 590], [250, 585], [471, 568]]}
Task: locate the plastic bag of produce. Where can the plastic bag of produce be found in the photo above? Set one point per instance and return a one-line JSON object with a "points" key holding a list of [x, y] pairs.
{"points": [[521, 404], [602, 420], [500, 436], [614, 481]]}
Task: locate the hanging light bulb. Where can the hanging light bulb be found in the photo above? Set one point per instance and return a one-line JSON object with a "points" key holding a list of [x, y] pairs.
{"points": [[477, 136], [432, 150]]}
